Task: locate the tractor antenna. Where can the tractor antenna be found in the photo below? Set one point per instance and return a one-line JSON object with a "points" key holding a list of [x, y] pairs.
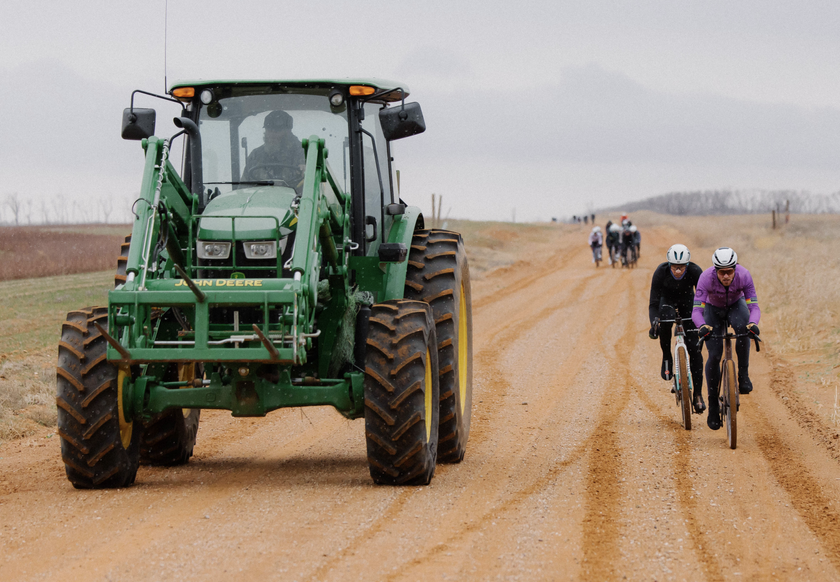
{"points": [[165, 31]]}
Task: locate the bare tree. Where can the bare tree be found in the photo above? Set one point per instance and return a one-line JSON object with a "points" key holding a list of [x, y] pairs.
{"points": [[712, 202], [106, 205], [58, 208], [45, 213], [14, 203]]}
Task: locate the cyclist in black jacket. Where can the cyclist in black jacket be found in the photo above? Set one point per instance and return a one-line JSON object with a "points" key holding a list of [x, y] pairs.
{"points": [[673, 284]]}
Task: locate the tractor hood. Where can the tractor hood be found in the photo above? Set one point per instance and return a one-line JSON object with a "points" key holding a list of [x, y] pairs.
{"points": [[249, 214]]}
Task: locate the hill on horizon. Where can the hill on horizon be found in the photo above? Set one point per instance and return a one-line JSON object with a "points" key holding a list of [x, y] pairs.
{"points": [[706, 202]]}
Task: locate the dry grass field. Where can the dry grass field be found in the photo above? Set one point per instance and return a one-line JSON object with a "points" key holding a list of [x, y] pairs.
{"points": [[796, 269], [43, 251]]}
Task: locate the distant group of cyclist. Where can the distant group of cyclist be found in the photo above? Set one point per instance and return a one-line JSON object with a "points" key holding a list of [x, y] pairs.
{"points": [[622, 240], [706, 300]]}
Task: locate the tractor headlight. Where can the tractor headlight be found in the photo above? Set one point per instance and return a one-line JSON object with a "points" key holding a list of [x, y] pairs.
{"points": [[212, 249], [260, 249]]}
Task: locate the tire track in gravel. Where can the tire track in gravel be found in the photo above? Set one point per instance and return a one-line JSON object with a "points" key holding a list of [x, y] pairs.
{"points": [[805, 492], [601, 528], [512, 499], [683, 466], [557, 261], [228, 479], [509, 333], [497, 388], [394, 509]]}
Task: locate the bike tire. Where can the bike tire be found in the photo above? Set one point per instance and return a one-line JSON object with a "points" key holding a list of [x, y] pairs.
{"points": [[730, 397], [684, 390]]}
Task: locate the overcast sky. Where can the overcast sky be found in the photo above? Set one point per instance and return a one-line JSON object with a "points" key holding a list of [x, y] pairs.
{"points": [[552, 108]]}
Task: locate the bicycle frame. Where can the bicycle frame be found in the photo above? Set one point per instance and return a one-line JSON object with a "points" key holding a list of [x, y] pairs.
{"points": [[728, 385], [683, 400]]}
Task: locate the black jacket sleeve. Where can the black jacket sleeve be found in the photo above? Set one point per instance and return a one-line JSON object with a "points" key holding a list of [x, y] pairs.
{"points": [[656, 291]]}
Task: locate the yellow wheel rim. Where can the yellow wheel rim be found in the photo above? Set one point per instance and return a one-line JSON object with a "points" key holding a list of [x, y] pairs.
{"points": [[126, 427], [186, 373], [463, 350], [428, 396]]}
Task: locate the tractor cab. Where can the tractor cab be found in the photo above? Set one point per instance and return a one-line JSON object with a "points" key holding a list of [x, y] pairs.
{"points": [[245, 159]]}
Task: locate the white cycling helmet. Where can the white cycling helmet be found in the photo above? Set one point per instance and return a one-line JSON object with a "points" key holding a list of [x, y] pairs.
{"points": [[633, 228], [596, 229], [678, 255], [724, 258], [615, 228]]}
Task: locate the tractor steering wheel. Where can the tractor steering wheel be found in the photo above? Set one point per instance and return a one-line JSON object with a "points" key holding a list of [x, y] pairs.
{"points": [[270, 171]]}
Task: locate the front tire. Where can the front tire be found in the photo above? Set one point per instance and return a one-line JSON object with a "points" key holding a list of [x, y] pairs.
{"points": [[401, 393], [730, 403], [99, 446], [439, 274], [684, 390]]}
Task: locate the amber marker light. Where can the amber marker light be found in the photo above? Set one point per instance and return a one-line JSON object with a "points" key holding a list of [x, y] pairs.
{"points": [[361, 90], [184, 93]]}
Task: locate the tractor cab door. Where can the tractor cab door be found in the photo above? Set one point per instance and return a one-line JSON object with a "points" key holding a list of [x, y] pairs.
{"points": [[376, 168]]}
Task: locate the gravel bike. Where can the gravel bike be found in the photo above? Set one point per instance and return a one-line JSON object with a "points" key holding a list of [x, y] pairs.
{"points": [[683, 388], [628, 256], [728, 396], [615, 251], [596, 254]]}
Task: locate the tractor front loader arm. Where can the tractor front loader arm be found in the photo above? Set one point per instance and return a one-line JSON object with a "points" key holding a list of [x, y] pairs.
{"points": [[322, 213], [164, 209], [286, 327]]}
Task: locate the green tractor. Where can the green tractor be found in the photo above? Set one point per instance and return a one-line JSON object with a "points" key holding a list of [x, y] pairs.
{"points": [[277, 270]]}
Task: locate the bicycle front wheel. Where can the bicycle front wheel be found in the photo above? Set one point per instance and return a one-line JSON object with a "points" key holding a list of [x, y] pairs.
{"points": [[683, 390], [730, 403]]}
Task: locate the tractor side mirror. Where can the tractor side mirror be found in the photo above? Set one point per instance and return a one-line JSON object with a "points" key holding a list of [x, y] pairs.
{"points": [[138, 123], [398, 122]]}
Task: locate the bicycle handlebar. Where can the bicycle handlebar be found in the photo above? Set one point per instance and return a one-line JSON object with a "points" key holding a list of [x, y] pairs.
{"points": [[675, 321], [757, 339]]}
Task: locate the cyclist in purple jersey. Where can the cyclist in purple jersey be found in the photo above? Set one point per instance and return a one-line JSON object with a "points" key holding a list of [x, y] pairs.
{"points": [[725, 292]]}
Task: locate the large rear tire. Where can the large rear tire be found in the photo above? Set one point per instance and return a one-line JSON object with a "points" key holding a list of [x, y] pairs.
{"points": [[684, 389], [122, 262], [730, 403], [439, 274], [99, 446], [401, 393]]}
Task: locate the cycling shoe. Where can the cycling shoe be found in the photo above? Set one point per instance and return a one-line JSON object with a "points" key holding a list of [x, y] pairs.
{"points": [[744, 385], [714, 414], [667, 366], [699, 405]]}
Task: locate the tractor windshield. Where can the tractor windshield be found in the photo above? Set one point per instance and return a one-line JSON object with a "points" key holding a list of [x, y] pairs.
{"points": [[255, 138]]}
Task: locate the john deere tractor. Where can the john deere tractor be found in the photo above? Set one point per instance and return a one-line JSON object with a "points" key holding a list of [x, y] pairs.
{"points": [[266, 276]]}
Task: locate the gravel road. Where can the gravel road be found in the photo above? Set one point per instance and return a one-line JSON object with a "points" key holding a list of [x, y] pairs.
{"points": [[577, 469]]}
